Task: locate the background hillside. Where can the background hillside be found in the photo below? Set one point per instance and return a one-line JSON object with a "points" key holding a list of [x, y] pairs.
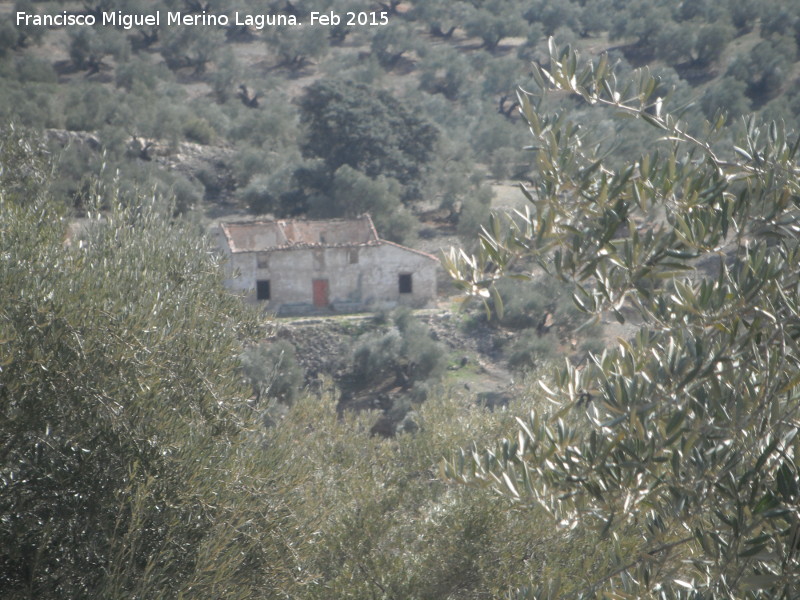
{"points": [[231, 120]]}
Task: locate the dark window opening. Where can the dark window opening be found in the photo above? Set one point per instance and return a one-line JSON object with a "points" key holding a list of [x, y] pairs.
{"points": [[404, 283], [262, 289]]}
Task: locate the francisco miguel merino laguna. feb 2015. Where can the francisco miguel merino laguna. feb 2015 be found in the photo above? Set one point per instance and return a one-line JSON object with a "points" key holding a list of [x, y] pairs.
{"points": [[258, 21]]}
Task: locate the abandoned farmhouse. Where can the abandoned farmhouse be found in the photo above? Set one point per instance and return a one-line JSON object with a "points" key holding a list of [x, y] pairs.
{"points": [[338, 265]]}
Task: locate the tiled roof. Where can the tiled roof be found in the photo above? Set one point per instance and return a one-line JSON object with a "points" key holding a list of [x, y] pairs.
{"points": [[260, 236], [265, 236]]}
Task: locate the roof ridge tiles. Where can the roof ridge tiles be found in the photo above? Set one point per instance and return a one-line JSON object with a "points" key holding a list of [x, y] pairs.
{"points": [[297, 238]]}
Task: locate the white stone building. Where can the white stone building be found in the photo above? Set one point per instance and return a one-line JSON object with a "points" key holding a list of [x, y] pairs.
{"points": [[338, 265]]}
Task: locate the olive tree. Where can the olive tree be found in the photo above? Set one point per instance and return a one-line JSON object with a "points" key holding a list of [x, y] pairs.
{"points": [[89, 47], [130, 461], [193, 47], [296, 47], [369, 130], [677, 447]]}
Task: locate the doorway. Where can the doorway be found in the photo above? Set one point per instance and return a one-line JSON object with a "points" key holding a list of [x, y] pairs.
{"points": [[320, 288]]}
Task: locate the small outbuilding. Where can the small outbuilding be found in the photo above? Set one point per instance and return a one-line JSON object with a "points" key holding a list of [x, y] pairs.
{"points": [[337, 265]]}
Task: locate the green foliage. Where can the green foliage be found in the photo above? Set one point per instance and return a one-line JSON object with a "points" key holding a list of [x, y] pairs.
{"points": [[729, 96], [226, 76], [297, 46], [493, 131], [711, 43], [426, 357], [140, 76], [530, 350], [391, 43], [259, 196], [474, 214], [126, 439], [442, 17], [89, 47], [745, 14], [405, 351], [197, 129], [490, 24], [194, 506], [368, 130], [23, 169], [275, 129], [191, 47], [13, 36], [375, 356], [445, 72], [273, 371], [457, 186], [187, 194], [8, 38], [545, 321], [525, 304], [553, 15], [679, 446], [88, 107], [766, 67], [778, 18], [597, 16], [387, 528], [34, 70], [352, 194], [423, 48], [270, 182], [641, 20], [503, 75], [506, 163], [673, 43]]}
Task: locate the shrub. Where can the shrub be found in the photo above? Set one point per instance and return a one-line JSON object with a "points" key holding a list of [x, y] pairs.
{"points": [[273, 371], [426, 358], [727, 96], [530, 350], [89, 47], [9, 38], [297, 46], [405, 351], [187, 194], [31, 106], [140, 76], [35, 70], [273, 130], [198, 130], [506, 163], [193, 47], [88, 107], [376, 355], [391, 530], [257, 196], [524, 305], [126, 435], [353, 193]]}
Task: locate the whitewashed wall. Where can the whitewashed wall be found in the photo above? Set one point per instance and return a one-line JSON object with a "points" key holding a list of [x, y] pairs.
{"points": [[364, 275]]}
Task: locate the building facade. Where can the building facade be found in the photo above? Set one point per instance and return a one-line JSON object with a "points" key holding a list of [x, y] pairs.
{"points": [[302, 267]]}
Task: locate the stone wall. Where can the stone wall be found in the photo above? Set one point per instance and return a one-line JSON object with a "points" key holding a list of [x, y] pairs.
{"points": [[358, 277]]}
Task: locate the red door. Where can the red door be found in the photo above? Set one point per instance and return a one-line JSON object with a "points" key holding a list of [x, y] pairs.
{"points": [[320, 292]]}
